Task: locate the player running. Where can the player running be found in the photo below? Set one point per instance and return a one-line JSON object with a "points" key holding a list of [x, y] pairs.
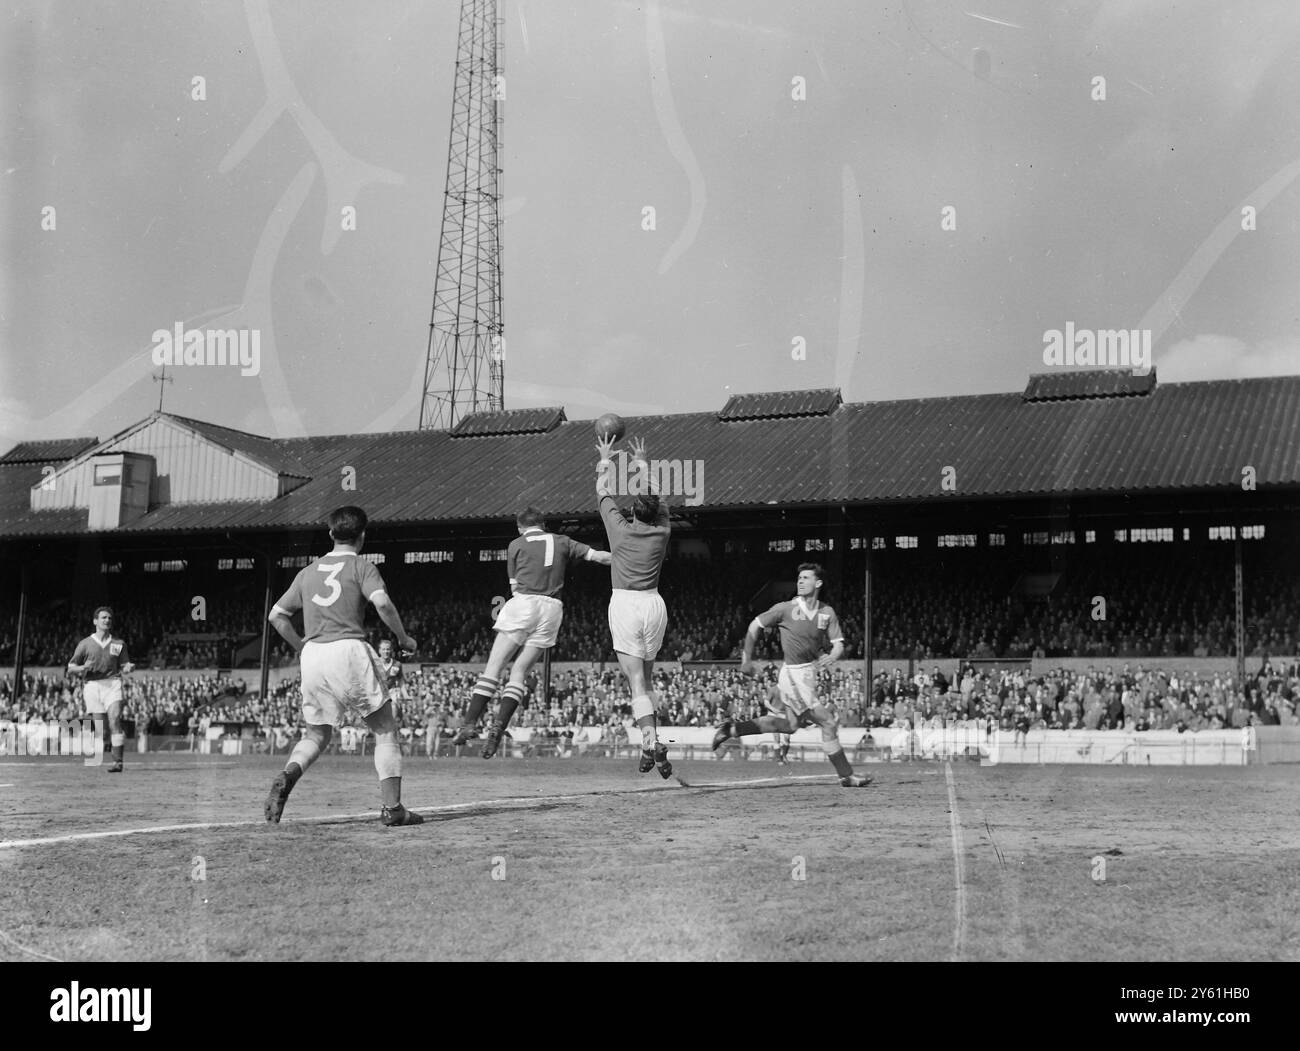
{"points": [[637, 614], [103, 660], [528, 623], [340, 671], [806, 624]]}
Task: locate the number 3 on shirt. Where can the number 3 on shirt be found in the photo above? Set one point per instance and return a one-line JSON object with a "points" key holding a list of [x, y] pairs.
{"points": [[331, 582], [550, 547]]}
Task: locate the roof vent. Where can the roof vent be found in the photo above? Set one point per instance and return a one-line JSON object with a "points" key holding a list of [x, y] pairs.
{"points": [[516, 421], [781, 403], [1088, 383]]}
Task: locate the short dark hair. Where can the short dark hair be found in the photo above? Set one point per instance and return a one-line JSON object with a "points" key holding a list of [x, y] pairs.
{"points": [[347, 523], [530, 516], [646, 508], [103, 609], [814, 567]]}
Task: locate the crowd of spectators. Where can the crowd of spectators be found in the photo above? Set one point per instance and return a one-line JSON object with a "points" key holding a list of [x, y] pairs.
{"points": [[1129, 605], [433, 703]]}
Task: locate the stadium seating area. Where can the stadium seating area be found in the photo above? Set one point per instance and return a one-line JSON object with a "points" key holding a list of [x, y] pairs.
{"points": [[924, 606]]}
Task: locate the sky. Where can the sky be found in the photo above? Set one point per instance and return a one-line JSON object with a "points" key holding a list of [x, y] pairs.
{"points": [[781, 222]]}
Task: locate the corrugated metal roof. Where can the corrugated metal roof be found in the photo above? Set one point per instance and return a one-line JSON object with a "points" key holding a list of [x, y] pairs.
{"points": [[513, 421], [776, 404], [1092, 383], [265, 450], [53, 451], [1181, 437]]}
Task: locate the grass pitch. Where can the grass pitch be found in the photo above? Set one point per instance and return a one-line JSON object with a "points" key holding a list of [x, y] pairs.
{"points": [[584, 859]]}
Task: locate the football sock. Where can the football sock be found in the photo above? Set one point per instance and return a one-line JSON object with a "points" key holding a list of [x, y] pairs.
{"points": [[840, 762], [119, 746], [744, 728], [484, 690], [388, 759], [304, 753], [511, 697], [291, 773], [649, 735], [643, 711], [390, 791]]}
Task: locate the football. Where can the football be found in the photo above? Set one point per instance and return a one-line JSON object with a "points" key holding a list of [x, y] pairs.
{"points": [[610, 426]]}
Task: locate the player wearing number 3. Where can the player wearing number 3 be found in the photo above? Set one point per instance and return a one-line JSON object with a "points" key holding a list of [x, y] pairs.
{"points": [[340, 671], [528, 623]]}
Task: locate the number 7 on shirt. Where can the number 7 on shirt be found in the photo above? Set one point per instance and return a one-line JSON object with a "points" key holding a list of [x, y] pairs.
{"points": [[550, 546]]}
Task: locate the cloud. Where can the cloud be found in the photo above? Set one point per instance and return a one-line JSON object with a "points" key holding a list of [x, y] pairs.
{"points": [[1211, 357]]}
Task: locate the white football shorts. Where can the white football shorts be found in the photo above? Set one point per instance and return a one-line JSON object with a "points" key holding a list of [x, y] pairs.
{"points": [[797, 684], [637, 622], [340, 677], [531, 620], [98, 694]]}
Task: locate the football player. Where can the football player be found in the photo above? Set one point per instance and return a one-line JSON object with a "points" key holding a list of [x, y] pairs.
{"points": [[102, 660], [807, 626], [341, 672], [637, 614], [528, 623]]}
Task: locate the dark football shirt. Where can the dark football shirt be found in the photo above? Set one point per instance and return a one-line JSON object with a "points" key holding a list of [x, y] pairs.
{"points": [[537, 561], [332, 593]]}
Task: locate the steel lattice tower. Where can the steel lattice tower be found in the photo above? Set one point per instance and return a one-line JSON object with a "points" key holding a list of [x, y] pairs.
{"points": [[463, 368]]}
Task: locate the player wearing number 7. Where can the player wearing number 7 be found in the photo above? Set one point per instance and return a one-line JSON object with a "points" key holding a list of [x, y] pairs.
{"points": [[340, 671], [528, 623]]}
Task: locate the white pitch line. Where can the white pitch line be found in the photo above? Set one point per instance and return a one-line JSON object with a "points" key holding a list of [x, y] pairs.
{"points": [[6, 940], [959, 929], [201, 826], [758, 781], [136, 768]]}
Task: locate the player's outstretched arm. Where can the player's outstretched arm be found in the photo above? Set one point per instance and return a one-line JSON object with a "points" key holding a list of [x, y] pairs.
{"points": [[602, 557], [605, 468], [389, 615], [639, 457]]}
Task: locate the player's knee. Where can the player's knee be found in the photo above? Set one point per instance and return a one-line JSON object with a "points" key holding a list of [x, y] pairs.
{"points": [[319, 734], [383, 721]]}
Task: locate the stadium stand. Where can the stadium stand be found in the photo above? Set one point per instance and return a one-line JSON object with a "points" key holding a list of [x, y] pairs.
{"points": [[992, 525]]}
